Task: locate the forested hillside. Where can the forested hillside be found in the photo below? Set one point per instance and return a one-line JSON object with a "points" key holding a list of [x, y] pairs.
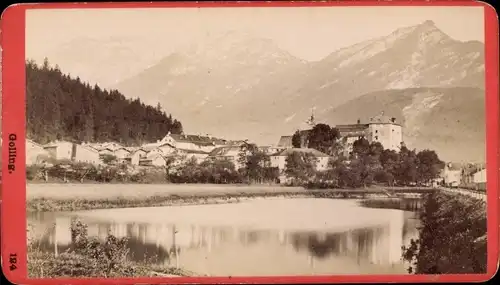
{"points": [[62, 107]]}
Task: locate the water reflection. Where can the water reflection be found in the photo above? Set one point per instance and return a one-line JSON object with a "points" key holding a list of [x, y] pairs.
{"points": [[224, 250]]}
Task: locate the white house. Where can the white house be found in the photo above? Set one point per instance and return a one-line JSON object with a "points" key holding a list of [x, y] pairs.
{"points": [[230, 153], [452, 174], [60, 150], [279, 159], [70, 151], [112, 145], [194, 142], [121, 153], [480, 176], [166, 148], [199, 155], [35, 153], [153, 160], [86, 154], [134, 157]]}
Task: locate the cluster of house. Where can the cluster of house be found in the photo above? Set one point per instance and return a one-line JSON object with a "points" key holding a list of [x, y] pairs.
{"points": [[465, 174], [380, 128]]}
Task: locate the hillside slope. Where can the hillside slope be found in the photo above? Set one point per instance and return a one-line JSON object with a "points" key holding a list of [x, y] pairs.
{"points": [[448, 120]]}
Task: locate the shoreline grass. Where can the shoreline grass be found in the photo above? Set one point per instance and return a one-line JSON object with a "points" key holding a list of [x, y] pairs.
{"points": [[52, 205], [57, 197]]}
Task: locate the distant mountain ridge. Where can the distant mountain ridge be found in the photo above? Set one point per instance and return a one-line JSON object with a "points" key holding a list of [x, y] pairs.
{"points": [[238, 86]]}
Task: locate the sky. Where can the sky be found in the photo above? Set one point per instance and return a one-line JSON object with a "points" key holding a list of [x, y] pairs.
{"points": [[310, 33]]}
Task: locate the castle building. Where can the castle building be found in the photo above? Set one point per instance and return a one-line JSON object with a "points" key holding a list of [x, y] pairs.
{"points": [[380, 128]]}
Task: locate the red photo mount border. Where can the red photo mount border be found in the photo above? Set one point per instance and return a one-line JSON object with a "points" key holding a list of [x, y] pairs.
{"points": [[13, 214]]}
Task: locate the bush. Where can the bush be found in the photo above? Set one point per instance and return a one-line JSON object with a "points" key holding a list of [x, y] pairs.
{"points": [[449, 241], [88, 257]]}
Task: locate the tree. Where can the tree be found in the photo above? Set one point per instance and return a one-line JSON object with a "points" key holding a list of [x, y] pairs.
{"points": [[360, 147], [365, 161], [429, 165], [407, 172], [255, 163], [108, 158], [296, 140], [324, 138], [300, 166], [389, 160]]}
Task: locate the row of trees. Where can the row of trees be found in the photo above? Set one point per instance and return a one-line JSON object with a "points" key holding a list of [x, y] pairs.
{"points": [[61, 107]]}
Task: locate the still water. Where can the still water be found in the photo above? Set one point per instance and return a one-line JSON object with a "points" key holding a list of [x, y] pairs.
{"points": [[257, 237]]}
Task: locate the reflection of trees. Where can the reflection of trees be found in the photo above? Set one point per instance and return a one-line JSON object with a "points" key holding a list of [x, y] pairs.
{"points": [[251, 237], [140, 251], [316, 245], [324, 245]]}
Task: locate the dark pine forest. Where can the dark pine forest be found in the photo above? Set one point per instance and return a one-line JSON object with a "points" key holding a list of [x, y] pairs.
{"points": [[61, 107]]}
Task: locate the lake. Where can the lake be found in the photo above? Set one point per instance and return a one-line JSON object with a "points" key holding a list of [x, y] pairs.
{"points": [[263, 237]]}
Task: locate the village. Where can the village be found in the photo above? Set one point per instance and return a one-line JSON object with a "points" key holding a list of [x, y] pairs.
{"points": [[200, 148]]}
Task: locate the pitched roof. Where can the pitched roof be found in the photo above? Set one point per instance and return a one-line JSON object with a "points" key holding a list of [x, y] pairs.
{"points": [[150, 146], [221, 151], [343, 129], [192, 151], [88, 148], [33, 143], [312, 151], [56, 143], [198, 140], [153, 156], [382, 119]]}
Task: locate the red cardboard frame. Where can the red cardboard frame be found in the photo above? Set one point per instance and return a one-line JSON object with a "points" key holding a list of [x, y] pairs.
{"points": [[13, 214]]}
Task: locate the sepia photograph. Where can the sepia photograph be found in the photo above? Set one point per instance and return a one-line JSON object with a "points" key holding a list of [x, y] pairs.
{"points": [[255, 141]]}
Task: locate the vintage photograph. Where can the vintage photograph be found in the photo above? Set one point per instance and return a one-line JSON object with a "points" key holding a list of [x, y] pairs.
{"points": [[255, 141]]}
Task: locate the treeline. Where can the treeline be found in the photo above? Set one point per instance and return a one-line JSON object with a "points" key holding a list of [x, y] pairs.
{"points": [[61, 107], [449, 242]]}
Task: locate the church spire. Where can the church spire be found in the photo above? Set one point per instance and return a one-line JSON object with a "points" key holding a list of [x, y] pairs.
{"points": [[311, 122]]}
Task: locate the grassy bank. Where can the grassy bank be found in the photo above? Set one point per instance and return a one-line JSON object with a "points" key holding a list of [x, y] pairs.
{"points": [[50, 205], [89, 257], [452, 236], [72, 197]]}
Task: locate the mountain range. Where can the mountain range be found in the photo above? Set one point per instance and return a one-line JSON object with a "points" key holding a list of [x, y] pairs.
{"points": [[239, 86]]}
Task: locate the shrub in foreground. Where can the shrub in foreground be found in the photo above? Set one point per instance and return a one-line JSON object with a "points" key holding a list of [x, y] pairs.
{"points": [[452, 238], [89, 257]]}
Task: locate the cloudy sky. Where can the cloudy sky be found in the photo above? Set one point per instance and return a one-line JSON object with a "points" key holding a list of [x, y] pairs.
{"points": [[106, 46], [324, 29]]}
